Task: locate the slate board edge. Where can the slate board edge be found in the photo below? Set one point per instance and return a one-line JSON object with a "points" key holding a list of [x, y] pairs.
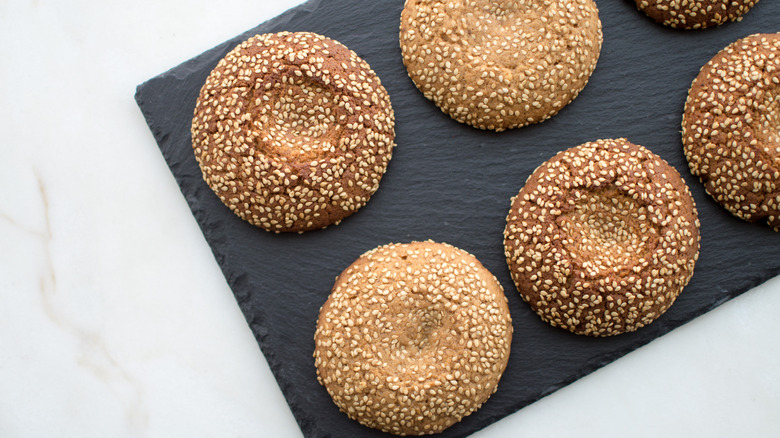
{"points": [[255, 318]]}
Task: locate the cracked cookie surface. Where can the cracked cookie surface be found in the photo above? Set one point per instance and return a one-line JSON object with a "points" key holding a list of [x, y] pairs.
{"points": [[293, 131], [602, 238], [731, 128]]}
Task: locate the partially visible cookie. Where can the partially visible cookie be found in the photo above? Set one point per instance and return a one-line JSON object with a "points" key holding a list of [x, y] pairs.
{"points": [[413, 338], [293, 131], [695, 14], [731, 128], [500, 65], [602, 238]]}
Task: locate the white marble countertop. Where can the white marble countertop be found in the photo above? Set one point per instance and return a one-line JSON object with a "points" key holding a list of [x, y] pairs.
{"points": [[115, 319]]}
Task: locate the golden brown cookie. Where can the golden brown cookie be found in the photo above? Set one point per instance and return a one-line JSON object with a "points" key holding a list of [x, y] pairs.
{"points": [[602, 238], [500, 65], [413, 338], [694, 14], [731, 128], [293, 131]]}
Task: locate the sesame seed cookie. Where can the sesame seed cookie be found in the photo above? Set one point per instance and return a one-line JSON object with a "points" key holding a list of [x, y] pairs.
{"points": [[731, 128], [694, 14], [602, 238], [500, 65], [413, 338], [293, 131]]}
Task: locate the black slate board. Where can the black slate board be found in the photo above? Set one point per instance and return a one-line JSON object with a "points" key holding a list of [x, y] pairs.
{"points": [[452, 183]]}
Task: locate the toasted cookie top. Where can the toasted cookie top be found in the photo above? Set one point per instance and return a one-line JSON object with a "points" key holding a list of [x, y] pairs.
{"points": [[602, 238], [293, 131], [731, 128], [500, 65], [413, 337], [694, 14]]}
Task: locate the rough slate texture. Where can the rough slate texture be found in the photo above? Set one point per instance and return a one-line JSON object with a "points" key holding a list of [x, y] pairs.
{"points": [[452, 183]]}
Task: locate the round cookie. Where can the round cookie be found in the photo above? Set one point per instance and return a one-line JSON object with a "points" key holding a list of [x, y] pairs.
{"points": [[731, 128], [602, 238], [413, 338], [500, 65], [293, 131], [694, 14]]}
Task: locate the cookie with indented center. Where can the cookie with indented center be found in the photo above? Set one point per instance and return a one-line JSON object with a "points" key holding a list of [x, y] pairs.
{"points": [[293, 131], [413, 338], [602, 238], [500, 65]]}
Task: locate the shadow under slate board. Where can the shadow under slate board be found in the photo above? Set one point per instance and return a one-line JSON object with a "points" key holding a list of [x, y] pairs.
{"points": [[452, 183]]}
